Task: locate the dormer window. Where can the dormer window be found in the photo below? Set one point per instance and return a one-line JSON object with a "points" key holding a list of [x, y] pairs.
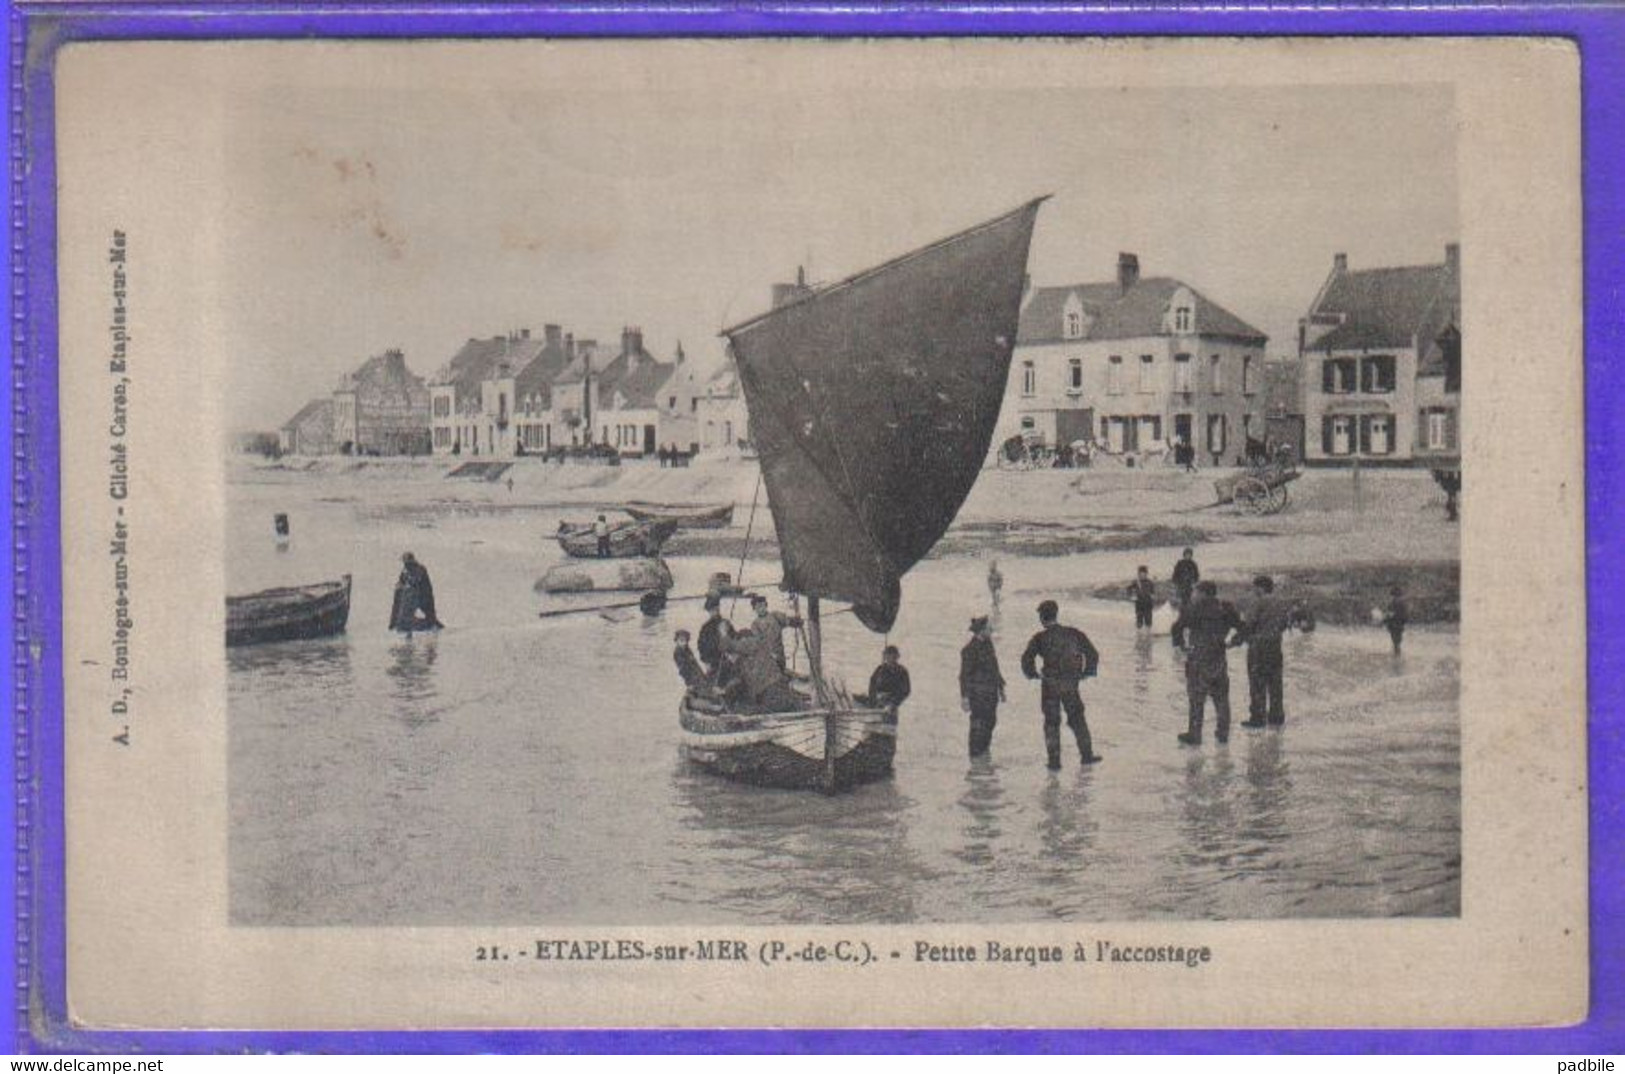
{"points": [[1074, 324], [1184, 321]]}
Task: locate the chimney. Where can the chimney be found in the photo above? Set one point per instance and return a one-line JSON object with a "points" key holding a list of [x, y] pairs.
{"points": [[569, 346], [554, 336], [1340, 262], [1128, 270], [680, 356], [631, 341], [524, 333], [801, 276], [1452, 256]]}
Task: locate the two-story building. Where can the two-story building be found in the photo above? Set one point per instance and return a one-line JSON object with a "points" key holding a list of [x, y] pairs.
{"points": [[1133, 365], [1375, 349], [382, 408], [456, 396], [624, 398]]}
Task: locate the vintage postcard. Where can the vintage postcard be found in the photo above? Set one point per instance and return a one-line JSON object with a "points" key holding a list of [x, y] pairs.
{"points": [[822, 533]]}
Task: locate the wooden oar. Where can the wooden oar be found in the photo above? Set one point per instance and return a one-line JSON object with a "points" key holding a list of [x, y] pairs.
{"points": [[552, 612]]}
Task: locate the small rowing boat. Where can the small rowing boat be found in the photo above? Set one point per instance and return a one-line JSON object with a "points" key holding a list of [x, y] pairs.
{"points": [[626, 539], [688, 516], [306, 611]]}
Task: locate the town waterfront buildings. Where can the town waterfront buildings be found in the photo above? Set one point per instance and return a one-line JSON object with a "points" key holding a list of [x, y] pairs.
{"points": [[1380, 356], [381, 408], [1134, 365]]}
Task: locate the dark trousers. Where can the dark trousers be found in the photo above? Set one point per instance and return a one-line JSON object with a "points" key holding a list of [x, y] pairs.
{"points": [[603, 548], [1203, 681], [1184, 592], [1396, 631], [1264, 668], [984, 714], [1142, 614], [1052, 698]]}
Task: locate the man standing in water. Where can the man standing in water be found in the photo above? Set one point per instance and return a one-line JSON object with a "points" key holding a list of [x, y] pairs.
{"points": [[1267, 620], [414, 593], [600, 530], [1208, 623], [1144, 593], [981, 686], [1396, 616], [1186, 575], [1067, 657], [995, 582]]}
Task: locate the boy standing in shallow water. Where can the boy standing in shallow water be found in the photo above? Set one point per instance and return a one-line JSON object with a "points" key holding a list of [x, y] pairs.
{"points": [[1396, 616], [1144, 593]]}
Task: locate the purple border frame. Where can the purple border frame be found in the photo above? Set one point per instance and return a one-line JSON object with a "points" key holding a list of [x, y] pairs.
{"points": [[37, 1016]]}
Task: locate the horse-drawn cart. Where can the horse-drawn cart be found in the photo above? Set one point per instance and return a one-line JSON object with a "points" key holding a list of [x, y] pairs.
{"points": [[1260, 490]]}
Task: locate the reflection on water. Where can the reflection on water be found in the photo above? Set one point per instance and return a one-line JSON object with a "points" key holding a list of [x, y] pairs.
{"points": [[511, 769]]}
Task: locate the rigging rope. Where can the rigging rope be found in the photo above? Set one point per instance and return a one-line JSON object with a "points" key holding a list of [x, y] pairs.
{"points": [[750, 525]]}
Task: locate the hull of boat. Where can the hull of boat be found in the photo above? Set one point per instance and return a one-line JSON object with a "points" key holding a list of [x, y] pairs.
{"points": [[312, 611], [626, 541], [687, 516], [828, 750]]}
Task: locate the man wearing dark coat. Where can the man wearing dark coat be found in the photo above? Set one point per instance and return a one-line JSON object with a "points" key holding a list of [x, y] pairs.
{"points": [[889, 685], [414, 593], [714, 635], [1143, 591], [1067, 657], [1186, 575], [694, 676], [1267, 619], [981, 685], [1204, 630]]}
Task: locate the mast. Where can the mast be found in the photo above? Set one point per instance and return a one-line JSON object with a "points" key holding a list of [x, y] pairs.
{"points": [[815, 650]]}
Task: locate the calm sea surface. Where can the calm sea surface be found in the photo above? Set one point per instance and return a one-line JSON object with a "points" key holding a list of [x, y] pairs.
{"points": [[517, 770]]}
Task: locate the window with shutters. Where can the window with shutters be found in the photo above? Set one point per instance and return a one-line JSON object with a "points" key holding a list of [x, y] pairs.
{"points": [[1216, 434], [1074, 375], [1438, 429], [1337, 376], [1029, 379], [1337, 433], [1379, 434], [1114, 375], [1249, 375], [1148, 374], [1215, 376], [1182, 373], [1377, 374]]}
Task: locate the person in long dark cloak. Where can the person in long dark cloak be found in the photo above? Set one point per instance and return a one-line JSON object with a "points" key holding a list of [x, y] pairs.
{"points": [[414, 594]]}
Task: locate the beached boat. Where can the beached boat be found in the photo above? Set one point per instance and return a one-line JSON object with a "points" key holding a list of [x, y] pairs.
{"points": [[306, 611], [626, 539], [873, 403], [688, 516]]}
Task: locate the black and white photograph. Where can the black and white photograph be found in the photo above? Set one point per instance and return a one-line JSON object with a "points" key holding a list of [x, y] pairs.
{"points": [[835, 485]]}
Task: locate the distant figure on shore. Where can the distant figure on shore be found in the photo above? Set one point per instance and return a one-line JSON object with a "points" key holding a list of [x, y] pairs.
{"points": [[1302, 618], [1067, 658], [995, 581], [1204, 630], [1144, 593], [1267, 619], [770, 625], [1186, 575], [600, 530], [714, 637], [510, 481], [414, 593], [1184, 455], [688, 667], [1395, 616], [889, 685], [981, 685]]}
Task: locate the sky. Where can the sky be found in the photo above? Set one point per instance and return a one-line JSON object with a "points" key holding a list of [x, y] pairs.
{"points": [[377, 201]]}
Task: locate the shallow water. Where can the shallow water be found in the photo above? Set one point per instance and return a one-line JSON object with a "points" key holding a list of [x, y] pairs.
{"points": [[512, 769]]}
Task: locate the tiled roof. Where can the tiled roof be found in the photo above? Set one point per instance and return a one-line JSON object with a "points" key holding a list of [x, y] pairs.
{"points": [[321, 409], [1387, 307], [1116, 313]]}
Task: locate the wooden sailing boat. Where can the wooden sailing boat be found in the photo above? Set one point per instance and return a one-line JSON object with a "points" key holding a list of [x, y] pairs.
{"points": [[872, 405]]}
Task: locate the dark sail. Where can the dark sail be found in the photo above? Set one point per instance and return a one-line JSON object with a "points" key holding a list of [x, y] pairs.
{"points": [[872, 405]]}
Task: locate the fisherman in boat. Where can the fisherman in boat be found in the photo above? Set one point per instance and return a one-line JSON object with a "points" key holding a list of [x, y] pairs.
{"points": [[1211, 627], [763, 684], [771, 626], [694, 676], [1067, 657], [981, 685], [714, 637], [889, 686], [600, 530], [414, 593]]}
